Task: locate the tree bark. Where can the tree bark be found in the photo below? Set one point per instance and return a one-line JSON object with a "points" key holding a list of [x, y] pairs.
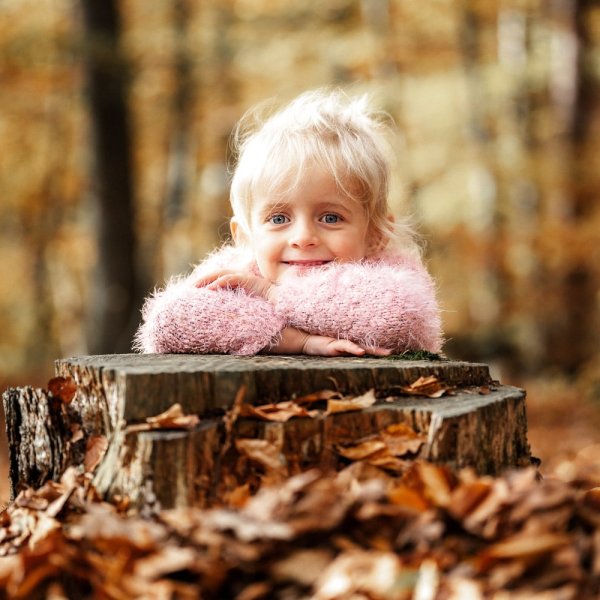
{"points": [[40, 437]]}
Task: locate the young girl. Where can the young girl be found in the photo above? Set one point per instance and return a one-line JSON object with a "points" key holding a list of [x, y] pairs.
{"points": [[318, 265]]}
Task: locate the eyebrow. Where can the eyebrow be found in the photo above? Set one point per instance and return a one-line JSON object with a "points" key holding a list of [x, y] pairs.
{"points": [[272, 207], [333, 205]]}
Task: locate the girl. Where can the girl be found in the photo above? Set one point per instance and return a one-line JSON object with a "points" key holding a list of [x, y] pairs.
{"points": [[318, 265]]}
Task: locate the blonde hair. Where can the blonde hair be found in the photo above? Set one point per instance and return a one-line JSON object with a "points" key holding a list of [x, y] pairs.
{"points": [[339, 133]]}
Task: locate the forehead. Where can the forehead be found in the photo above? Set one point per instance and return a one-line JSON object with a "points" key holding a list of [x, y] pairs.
{"points": [[306, 182]]}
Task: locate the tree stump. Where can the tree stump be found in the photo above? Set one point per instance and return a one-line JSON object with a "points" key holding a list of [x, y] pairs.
{"points": [[101, 404]]}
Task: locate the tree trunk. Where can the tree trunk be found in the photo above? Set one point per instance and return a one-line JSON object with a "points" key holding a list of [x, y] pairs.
{"points": [[117, 294], [571, 324]]}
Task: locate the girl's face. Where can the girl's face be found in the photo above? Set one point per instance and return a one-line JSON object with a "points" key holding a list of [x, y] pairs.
{"points": [[311, 226]]}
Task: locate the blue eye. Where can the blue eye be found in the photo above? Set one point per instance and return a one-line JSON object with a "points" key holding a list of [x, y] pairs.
{"points": [[330, 218], [278, 219]]}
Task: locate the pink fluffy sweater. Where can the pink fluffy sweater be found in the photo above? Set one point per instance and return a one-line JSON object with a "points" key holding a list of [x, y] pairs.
{"points": [[387, 301]]}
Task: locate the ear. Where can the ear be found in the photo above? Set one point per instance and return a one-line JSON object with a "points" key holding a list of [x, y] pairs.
{"points": [[237, 232]]}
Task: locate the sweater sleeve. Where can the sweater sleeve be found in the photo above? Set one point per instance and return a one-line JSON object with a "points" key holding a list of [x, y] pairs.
{"points": [[383, 303], [182, 318]]}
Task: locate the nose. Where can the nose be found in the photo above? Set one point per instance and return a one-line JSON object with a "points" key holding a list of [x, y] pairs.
{"points": [[303, 235]]}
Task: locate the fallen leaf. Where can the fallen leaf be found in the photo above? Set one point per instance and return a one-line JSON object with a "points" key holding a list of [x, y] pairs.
{"points": [[385, 449], [36, 567], [347, 404], [29, 499], [172, 418], [433, 480], [429, 386], [317, 397], [428, 581], [63, 388], [166, 560], [302, 566], [58, 504], [460, 587], [106, 528], [592, 497], [246, 527], [44, 526], [466, 496], [9, 565], [408, 498], [522, 546], [263, 452], [238, 496], [483, 518], [94, 452], [401, 439], [279, 412], [373, 574], [254, 591], [389, 462], [362, 450]]}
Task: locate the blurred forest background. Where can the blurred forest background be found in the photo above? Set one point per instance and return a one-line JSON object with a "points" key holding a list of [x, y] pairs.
{"points": [[114, 122]]}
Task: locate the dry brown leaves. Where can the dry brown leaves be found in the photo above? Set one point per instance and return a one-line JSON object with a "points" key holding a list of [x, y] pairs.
{"points": [[63, 388], [429, 386], [359, 533], [388, 449], [172, 418], [327, 402], [384, 527], [280, 411]]}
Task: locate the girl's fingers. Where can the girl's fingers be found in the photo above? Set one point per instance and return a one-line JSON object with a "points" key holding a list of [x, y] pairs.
{"points": [[224, 281], [378, 351], [208, 278], [213, 281], [348, 347], [252, 284], [233, 281]]}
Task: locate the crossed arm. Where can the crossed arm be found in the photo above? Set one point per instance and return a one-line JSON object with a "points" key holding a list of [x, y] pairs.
{"points": [[292, 341]]}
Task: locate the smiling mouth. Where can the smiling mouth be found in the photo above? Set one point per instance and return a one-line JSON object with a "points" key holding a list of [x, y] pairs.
{"points": [[306, 263]]}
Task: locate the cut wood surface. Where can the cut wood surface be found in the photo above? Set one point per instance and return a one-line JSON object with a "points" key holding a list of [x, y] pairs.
{"points": [[138, 385], [476, 422]]}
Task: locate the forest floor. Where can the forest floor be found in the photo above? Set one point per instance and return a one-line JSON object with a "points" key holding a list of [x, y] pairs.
{"points": [[517, 536], [564, 429]]}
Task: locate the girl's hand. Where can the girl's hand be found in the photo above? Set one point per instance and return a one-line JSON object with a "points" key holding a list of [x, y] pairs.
{"points": [[319, 345], [257, 286], [295, 341]]}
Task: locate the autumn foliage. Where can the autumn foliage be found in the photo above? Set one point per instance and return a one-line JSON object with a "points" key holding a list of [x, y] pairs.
{"points": [[359, 533], [383, 526]]}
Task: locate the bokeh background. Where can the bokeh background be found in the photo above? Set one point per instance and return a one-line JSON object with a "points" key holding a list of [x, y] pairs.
{"points": [[114, 122]]}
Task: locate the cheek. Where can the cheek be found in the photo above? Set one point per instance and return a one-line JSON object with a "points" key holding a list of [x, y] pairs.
{"points": [[266, 255], [355, 246], [263, 249]]}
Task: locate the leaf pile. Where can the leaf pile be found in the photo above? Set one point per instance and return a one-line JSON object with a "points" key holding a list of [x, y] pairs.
{"points": [[362, 533]]}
